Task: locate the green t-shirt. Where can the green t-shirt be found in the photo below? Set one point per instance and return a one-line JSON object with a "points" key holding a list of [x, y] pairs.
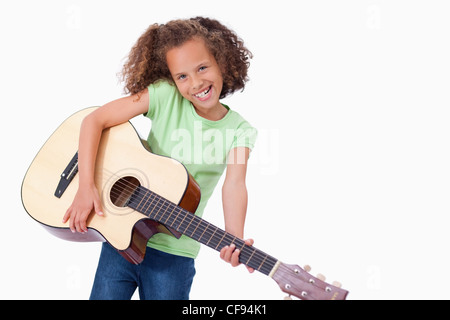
{"points": [[201, 145]]}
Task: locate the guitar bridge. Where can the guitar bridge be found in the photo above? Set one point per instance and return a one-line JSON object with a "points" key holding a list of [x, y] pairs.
{"points": [[67, 176]]}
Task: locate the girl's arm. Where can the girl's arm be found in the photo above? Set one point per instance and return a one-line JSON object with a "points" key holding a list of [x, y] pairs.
{"points": [[111, 114], [234, 198]]}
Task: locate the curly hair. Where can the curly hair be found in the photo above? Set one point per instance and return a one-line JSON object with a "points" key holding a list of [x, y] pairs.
{"points": [[147, 63]]}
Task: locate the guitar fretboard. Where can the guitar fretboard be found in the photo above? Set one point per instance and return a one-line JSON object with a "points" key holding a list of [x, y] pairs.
{"points": [[166, 212]]}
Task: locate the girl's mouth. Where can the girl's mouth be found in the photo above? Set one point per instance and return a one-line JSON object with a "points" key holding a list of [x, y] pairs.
{"points": [[204, 95]]}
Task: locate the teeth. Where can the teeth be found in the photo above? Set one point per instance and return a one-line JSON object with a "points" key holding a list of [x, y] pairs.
{"points": [[203, 94]]}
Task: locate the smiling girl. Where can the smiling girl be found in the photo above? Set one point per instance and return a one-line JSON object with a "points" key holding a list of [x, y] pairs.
{"points": [[175, 75]]}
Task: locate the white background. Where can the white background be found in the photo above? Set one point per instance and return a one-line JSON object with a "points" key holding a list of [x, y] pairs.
{"points": [[351, 170]]}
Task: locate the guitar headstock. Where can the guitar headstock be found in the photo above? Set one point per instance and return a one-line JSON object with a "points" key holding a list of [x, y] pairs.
{"points": [[298, 282]]}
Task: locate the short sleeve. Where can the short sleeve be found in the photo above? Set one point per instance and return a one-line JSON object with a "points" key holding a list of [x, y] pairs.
{"points": [[245, 136], [160, 95]]}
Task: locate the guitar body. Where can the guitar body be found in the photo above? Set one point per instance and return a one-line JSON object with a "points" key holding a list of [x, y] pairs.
{"points": [[124, 228]]}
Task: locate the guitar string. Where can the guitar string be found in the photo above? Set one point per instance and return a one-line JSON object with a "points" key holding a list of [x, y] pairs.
{"points": [[205, 230], [131, 188], [202, 225], [214, 242], [166, 204], [284, 270]]}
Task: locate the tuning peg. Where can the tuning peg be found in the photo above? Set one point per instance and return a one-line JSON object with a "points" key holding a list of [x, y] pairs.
{"points": [[337, 284], [307, 268], [321, 277], [287, 298]]}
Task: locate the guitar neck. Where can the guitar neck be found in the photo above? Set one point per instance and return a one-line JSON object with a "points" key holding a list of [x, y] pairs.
{"points": [[161, 210]]}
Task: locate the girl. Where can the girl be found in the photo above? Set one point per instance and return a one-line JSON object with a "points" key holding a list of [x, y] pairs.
{"points": [[175, 75]]}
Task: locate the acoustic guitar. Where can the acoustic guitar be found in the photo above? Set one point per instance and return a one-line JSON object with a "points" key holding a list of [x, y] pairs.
{"points": [[142, 194]]}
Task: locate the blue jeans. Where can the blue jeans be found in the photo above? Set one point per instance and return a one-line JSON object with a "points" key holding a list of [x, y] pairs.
{"points": [[161, 276]]}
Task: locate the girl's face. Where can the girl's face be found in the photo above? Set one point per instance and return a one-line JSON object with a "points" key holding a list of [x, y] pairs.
{"points": [[198, 77]]}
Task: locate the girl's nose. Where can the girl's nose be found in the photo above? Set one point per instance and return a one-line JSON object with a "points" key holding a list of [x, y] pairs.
{"points": [[197, 83]]}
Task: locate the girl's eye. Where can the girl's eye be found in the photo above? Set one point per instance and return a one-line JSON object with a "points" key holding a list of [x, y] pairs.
{"points": [[202, 69], [182, 77]]}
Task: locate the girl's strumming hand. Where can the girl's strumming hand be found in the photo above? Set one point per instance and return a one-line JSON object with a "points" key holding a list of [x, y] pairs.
{"points": [[86, 200]]}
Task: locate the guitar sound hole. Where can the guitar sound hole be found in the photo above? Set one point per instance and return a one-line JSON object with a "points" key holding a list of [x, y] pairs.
{"points": [[122, 191]]}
